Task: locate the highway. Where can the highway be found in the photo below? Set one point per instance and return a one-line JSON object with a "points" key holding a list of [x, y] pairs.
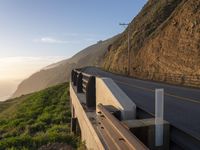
{"points": [[181, 107]]}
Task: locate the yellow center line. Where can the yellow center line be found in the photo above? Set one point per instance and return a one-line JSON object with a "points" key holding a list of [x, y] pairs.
{"points": [[168, 94]]}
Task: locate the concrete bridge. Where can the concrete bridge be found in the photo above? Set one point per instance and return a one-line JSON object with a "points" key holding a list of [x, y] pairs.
{"points": [[106, 118]]}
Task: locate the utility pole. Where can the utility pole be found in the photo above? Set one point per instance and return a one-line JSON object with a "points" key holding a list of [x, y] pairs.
{"points": [[129, 57]]}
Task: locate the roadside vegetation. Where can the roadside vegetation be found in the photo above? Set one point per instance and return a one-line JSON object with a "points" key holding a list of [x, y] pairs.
{"points": [[38, 119]]}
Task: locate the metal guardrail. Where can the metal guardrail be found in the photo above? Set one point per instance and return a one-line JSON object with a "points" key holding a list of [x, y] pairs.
{"points": [[114, 134]]}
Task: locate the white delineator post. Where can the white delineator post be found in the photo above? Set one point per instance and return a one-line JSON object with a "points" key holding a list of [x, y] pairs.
{"points": [[159, 114]]}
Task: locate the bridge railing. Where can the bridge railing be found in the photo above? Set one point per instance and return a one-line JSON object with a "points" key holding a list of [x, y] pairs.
{"points": [[85, 83], [103, 90], [108, 123], [178, 137]]}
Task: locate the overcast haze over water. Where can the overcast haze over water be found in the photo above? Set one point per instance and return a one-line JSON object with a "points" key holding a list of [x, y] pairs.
{"points": [[7, 87], [13, 70]]}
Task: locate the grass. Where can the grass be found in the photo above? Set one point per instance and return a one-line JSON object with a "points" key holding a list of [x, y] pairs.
{"points": [[37, 119]]}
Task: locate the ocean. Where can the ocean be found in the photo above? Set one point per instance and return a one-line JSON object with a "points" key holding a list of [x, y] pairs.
{"points": [[7, 88]]}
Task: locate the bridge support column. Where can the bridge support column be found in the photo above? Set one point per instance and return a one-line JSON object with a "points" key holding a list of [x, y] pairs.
{"points": [[75, 128], [73, 125]]}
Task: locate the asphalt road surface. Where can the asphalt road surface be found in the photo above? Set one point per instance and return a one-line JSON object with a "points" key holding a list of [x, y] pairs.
{"points": [[181, 107]]}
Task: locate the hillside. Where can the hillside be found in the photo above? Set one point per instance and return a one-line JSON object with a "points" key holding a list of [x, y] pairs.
{"points": [[60, 72], [37, 119], [165, 40]]}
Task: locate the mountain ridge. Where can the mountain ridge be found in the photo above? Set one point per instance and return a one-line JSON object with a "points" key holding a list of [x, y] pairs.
{"points": [[60, 72]]}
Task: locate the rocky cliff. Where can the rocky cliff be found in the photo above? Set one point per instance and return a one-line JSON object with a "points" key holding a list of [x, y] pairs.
{"points": [[165, 41]]}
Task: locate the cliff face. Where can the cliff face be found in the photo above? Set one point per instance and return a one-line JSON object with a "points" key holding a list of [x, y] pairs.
{"points": [[60, 72], [175, 47], [165, 38]]}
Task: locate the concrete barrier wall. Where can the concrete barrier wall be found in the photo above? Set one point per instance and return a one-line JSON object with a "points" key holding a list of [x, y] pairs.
{"points": [[108, 93], [88, 133]]}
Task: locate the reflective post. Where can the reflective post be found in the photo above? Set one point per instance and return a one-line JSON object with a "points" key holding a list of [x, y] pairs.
{"points": [[159, 114]]}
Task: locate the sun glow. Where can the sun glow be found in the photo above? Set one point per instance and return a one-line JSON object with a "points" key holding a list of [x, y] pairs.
{"points": [[18, 68], [15, 69]]}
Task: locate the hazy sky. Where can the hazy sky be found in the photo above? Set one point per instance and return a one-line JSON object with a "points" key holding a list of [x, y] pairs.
{"points": [[36, 33], [60, 27]]}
